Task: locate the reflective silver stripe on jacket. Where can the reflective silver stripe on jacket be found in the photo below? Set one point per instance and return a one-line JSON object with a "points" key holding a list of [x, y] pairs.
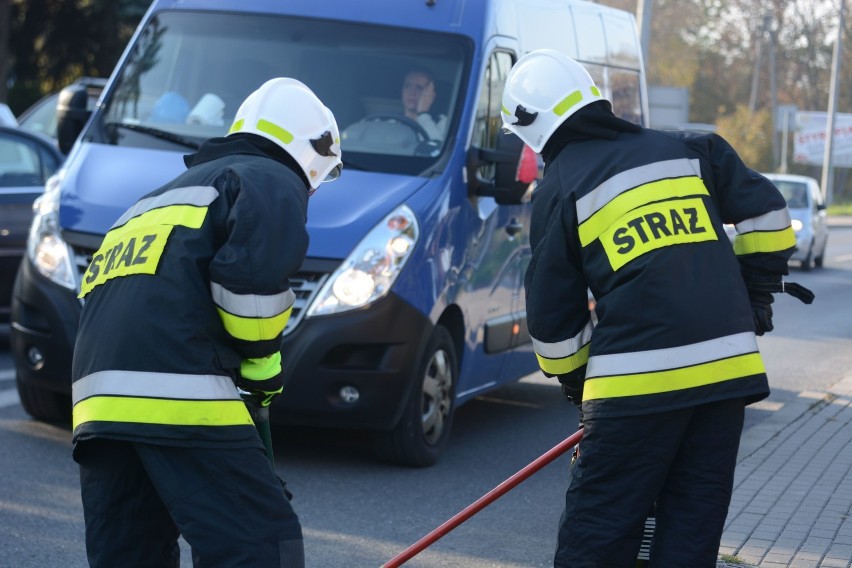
{"points": [[619, 183], [772, 221], [154, 385], [671, 357], [198, 196], [252, 305], [566, 347]]}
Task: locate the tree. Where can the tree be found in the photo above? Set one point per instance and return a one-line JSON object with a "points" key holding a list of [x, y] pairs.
{"points": [[52, 42]]}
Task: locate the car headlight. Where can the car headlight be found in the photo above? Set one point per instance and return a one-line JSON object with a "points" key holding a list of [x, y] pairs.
{"points": [[45, 247], [370, 270], [797, 225]]}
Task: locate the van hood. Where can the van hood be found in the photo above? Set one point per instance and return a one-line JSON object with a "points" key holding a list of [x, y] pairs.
{"points": [[102, 181]]}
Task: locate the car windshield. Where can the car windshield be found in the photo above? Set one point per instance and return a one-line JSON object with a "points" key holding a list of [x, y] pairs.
{"points": [[188, 72], [796, 193]]}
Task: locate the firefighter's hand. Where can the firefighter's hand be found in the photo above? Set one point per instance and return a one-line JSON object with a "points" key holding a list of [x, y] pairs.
{"points": [[572, 386], [262, 378], [761, 309]]}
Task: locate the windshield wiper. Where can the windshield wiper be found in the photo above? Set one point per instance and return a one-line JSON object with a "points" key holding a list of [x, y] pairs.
{"points": [[157, 133]]}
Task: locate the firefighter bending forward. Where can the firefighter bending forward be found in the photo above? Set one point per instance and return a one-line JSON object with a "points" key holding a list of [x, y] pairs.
{"points": [[185, 300], [636, 216]]}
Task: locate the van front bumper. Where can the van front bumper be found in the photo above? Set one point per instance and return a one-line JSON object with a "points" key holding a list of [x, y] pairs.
{"points": [[43, 330], [353, 370]]}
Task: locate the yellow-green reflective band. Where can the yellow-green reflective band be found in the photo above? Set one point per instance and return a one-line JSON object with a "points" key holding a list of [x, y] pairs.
{"points": [[637, 197], [633, 178], [655, 226], [254, 329], [765, 241], [567, 103], [674, 379], [261, 368], [566, 364], [182, 215], [199, 196], [161, 411], [505, 110], [595, 91], [237, 126], [124, 252], [274, 130]]}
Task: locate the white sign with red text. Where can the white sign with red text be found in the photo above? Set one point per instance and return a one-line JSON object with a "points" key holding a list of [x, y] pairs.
{"points": [[809, 140]]}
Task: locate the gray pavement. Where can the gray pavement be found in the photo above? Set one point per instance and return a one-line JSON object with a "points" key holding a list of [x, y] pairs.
{"points": [[792, 500]]}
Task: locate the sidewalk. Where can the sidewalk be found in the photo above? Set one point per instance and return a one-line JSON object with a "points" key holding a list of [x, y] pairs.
{"points": [[792, 501]]}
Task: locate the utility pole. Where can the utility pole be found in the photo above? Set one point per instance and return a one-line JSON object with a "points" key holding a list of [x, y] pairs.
{"points": [[644, 14], [827, 165]]}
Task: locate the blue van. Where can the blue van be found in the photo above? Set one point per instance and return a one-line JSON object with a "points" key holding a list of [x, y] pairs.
{"points": [[410, 300]]}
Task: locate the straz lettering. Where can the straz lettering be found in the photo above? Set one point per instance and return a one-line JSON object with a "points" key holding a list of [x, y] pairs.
{"points": [[124, 253], [656, 226]]}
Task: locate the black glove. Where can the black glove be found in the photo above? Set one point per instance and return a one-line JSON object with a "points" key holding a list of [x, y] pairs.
{"points": [[796, 290], [761, 310], [572, 385]]}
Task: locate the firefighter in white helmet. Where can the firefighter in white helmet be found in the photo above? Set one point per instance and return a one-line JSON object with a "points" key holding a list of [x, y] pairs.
{"points": [[636, 216], [185, 301]]}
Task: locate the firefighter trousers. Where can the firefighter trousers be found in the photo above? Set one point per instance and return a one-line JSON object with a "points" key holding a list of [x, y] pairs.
{"points": [[227, 503], [683, 460]]}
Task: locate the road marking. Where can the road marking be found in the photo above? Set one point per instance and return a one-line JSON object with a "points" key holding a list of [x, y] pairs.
{"points": [[7, 374], [9, 397], [842, 258]]}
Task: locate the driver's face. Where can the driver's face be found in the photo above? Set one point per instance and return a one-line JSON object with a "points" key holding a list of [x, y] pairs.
{"points": [[412, 88]]}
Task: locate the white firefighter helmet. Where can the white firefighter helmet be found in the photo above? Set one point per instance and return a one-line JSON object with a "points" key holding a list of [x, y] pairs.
{"points": [[289, 114], [542, 90]]}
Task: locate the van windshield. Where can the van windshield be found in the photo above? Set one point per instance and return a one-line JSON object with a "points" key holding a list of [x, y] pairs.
{"points": [[188, 72]]}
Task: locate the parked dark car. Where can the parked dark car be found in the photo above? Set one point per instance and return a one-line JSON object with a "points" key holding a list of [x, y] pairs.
{"points": [[41, 116], [27, 159]]}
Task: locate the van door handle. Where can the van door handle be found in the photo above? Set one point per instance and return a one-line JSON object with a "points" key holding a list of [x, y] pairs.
{"points": [[514, 227]]}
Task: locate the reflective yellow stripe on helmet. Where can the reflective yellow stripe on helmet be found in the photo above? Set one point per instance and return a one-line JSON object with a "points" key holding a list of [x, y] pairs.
{"points": [[274, 130]]}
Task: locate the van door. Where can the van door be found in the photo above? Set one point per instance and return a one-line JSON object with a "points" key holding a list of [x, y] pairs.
{"points": [[492, 265]]}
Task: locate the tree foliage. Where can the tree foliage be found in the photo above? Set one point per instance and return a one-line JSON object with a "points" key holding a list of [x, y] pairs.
{"points": [[52, 42]]}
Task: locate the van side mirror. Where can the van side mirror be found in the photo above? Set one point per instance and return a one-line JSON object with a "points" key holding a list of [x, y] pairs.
{"points": [[515, 168], [72, 112]]}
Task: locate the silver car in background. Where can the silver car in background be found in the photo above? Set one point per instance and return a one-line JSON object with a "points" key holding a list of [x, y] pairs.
{"points": [[807, 210]]}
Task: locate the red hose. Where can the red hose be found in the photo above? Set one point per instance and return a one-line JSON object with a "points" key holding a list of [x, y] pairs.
{"points": [[484, 501]]}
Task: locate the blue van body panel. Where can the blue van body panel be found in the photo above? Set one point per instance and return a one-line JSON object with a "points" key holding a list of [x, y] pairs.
{"points": [[97, 190]]}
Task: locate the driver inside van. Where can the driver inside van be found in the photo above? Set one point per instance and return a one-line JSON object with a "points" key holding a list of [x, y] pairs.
{"points": [[418, 96]]}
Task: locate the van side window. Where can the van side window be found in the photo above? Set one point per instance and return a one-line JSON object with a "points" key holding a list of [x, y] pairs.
{"points": [[488, 123]]}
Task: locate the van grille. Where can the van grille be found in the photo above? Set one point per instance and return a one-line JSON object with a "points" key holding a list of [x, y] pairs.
{"points": [[305, 284]]}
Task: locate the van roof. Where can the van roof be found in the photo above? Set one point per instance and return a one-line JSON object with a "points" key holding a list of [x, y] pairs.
{"points": [[463, 16]]}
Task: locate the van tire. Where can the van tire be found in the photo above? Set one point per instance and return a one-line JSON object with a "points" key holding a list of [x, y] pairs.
{"points": [[420, 437], [808, 262], [818, 261], [43, 404]]}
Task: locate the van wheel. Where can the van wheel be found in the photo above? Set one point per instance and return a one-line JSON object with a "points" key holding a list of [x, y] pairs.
{"points": [[422, 433], [821, 258], [43, 404], [808, 262]]}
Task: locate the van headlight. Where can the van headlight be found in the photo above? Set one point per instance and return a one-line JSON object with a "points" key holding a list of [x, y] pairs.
{"points": [[45, 247], [797, 225], [370, 270]]}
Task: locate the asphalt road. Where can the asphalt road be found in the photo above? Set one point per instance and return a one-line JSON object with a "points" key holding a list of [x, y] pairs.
{"points": [[357, 512]]}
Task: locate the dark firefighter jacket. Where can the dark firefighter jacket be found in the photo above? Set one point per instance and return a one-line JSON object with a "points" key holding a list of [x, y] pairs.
{"points": [[638, 221], [188, 285]]}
